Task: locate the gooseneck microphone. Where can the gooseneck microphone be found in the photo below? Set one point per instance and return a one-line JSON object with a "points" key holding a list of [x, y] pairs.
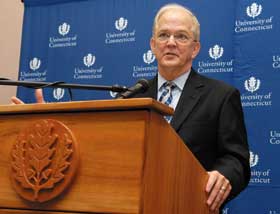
{"points": [[140, 87]]}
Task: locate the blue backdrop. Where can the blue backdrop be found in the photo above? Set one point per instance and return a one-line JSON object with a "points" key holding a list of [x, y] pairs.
{"points": [[107, 42]]}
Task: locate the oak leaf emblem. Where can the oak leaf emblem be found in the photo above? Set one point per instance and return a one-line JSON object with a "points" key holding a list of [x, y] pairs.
{"points": [[42, 157]]}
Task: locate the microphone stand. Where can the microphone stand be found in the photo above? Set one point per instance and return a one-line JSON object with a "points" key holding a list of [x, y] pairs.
{"points": [[114, 88]]}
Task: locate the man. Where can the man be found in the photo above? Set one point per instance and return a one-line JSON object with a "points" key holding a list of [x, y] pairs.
{"points": [[208, 114]]}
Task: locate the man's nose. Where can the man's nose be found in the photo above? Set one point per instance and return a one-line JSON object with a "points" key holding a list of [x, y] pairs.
{"points": [[171, 40]]}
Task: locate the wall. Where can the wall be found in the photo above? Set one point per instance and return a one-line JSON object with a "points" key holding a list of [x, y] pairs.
{"points": [[10, 39]]}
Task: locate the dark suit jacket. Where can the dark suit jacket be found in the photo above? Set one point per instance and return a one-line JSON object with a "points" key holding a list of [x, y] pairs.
{"points": [[209, 119]]}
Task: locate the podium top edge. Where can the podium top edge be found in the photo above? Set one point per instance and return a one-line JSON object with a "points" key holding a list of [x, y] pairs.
{"points": [[80, 106]]}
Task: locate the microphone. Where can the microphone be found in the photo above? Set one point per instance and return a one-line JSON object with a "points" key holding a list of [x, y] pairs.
{"points": [[140, 87]]}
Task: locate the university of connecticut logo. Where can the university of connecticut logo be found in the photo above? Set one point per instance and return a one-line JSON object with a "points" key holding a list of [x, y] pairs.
{"points": [[216, 52], [58, 93], [89, 60], [35, 64], [121, 23], [64, 29], [252, 84], [149, 57], [254, 10], [44, 160], [254, 159]]}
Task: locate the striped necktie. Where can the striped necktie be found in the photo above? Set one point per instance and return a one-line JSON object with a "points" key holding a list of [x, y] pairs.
{"points": [[166, 96]]}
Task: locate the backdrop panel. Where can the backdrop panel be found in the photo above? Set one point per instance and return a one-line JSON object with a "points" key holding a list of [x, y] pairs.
{"points": [[107, 42]]}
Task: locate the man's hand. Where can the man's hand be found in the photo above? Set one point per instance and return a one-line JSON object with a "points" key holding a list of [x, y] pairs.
{"points": [[38, 94], [218, 188]]}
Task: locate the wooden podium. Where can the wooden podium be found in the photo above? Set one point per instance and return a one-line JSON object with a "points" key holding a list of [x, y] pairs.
{"points": [[129, 160]]}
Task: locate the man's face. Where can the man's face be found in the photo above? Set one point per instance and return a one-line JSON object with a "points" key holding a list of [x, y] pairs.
{"points": [[173, 42]]}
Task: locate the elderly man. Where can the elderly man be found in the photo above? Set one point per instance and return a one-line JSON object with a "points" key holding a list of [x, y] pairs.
{"points": [[208, 113]]}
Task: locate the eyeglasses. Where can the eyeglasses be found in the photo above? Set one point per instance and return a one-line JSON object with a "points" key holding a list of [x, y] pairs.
{"points": [[181, 38]]}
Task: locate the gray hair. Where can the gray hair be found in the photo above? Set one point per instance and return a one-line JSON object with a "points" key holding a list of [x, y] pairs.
{"points": [[195, 27]]}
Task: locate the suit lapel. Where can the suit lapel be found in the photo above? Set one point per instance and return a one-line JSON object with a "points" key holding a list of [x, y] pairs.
{"points": [[190, 96]]}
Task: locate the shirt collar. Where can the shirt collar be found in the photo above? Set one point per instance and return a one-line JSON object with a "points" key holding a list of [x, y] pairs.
{"points": [[179, 81]]}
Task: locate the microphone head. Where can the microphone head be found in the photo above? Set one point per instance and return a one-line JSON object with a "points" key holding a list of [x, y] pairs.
{"points": [[144, 85], [140, 87]]}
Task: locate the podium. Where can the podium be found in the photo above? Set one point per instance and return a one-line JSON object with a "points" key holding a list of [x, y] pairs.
{"points": [[127, 159]]}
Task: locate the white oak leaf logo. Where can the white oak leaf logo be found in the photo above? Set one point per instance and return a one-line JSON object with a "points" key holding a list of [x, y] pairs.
{"points": [[216, 52], [64, 29], [149, 57], [121, 23], [58, 93], [254, 10], [254, 159], [89, 60], [252, 84], [35, 64]]}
